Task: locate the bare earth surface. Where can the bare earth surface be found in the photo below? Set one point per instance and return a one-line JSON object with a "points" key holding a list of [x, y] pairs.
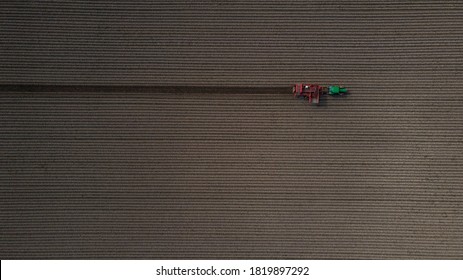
{"points": [[145, 172]]}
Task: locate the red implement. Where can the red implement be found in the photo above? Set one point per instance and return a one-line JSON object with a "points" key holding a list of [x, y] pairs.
{"points": [[309, 91]]}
